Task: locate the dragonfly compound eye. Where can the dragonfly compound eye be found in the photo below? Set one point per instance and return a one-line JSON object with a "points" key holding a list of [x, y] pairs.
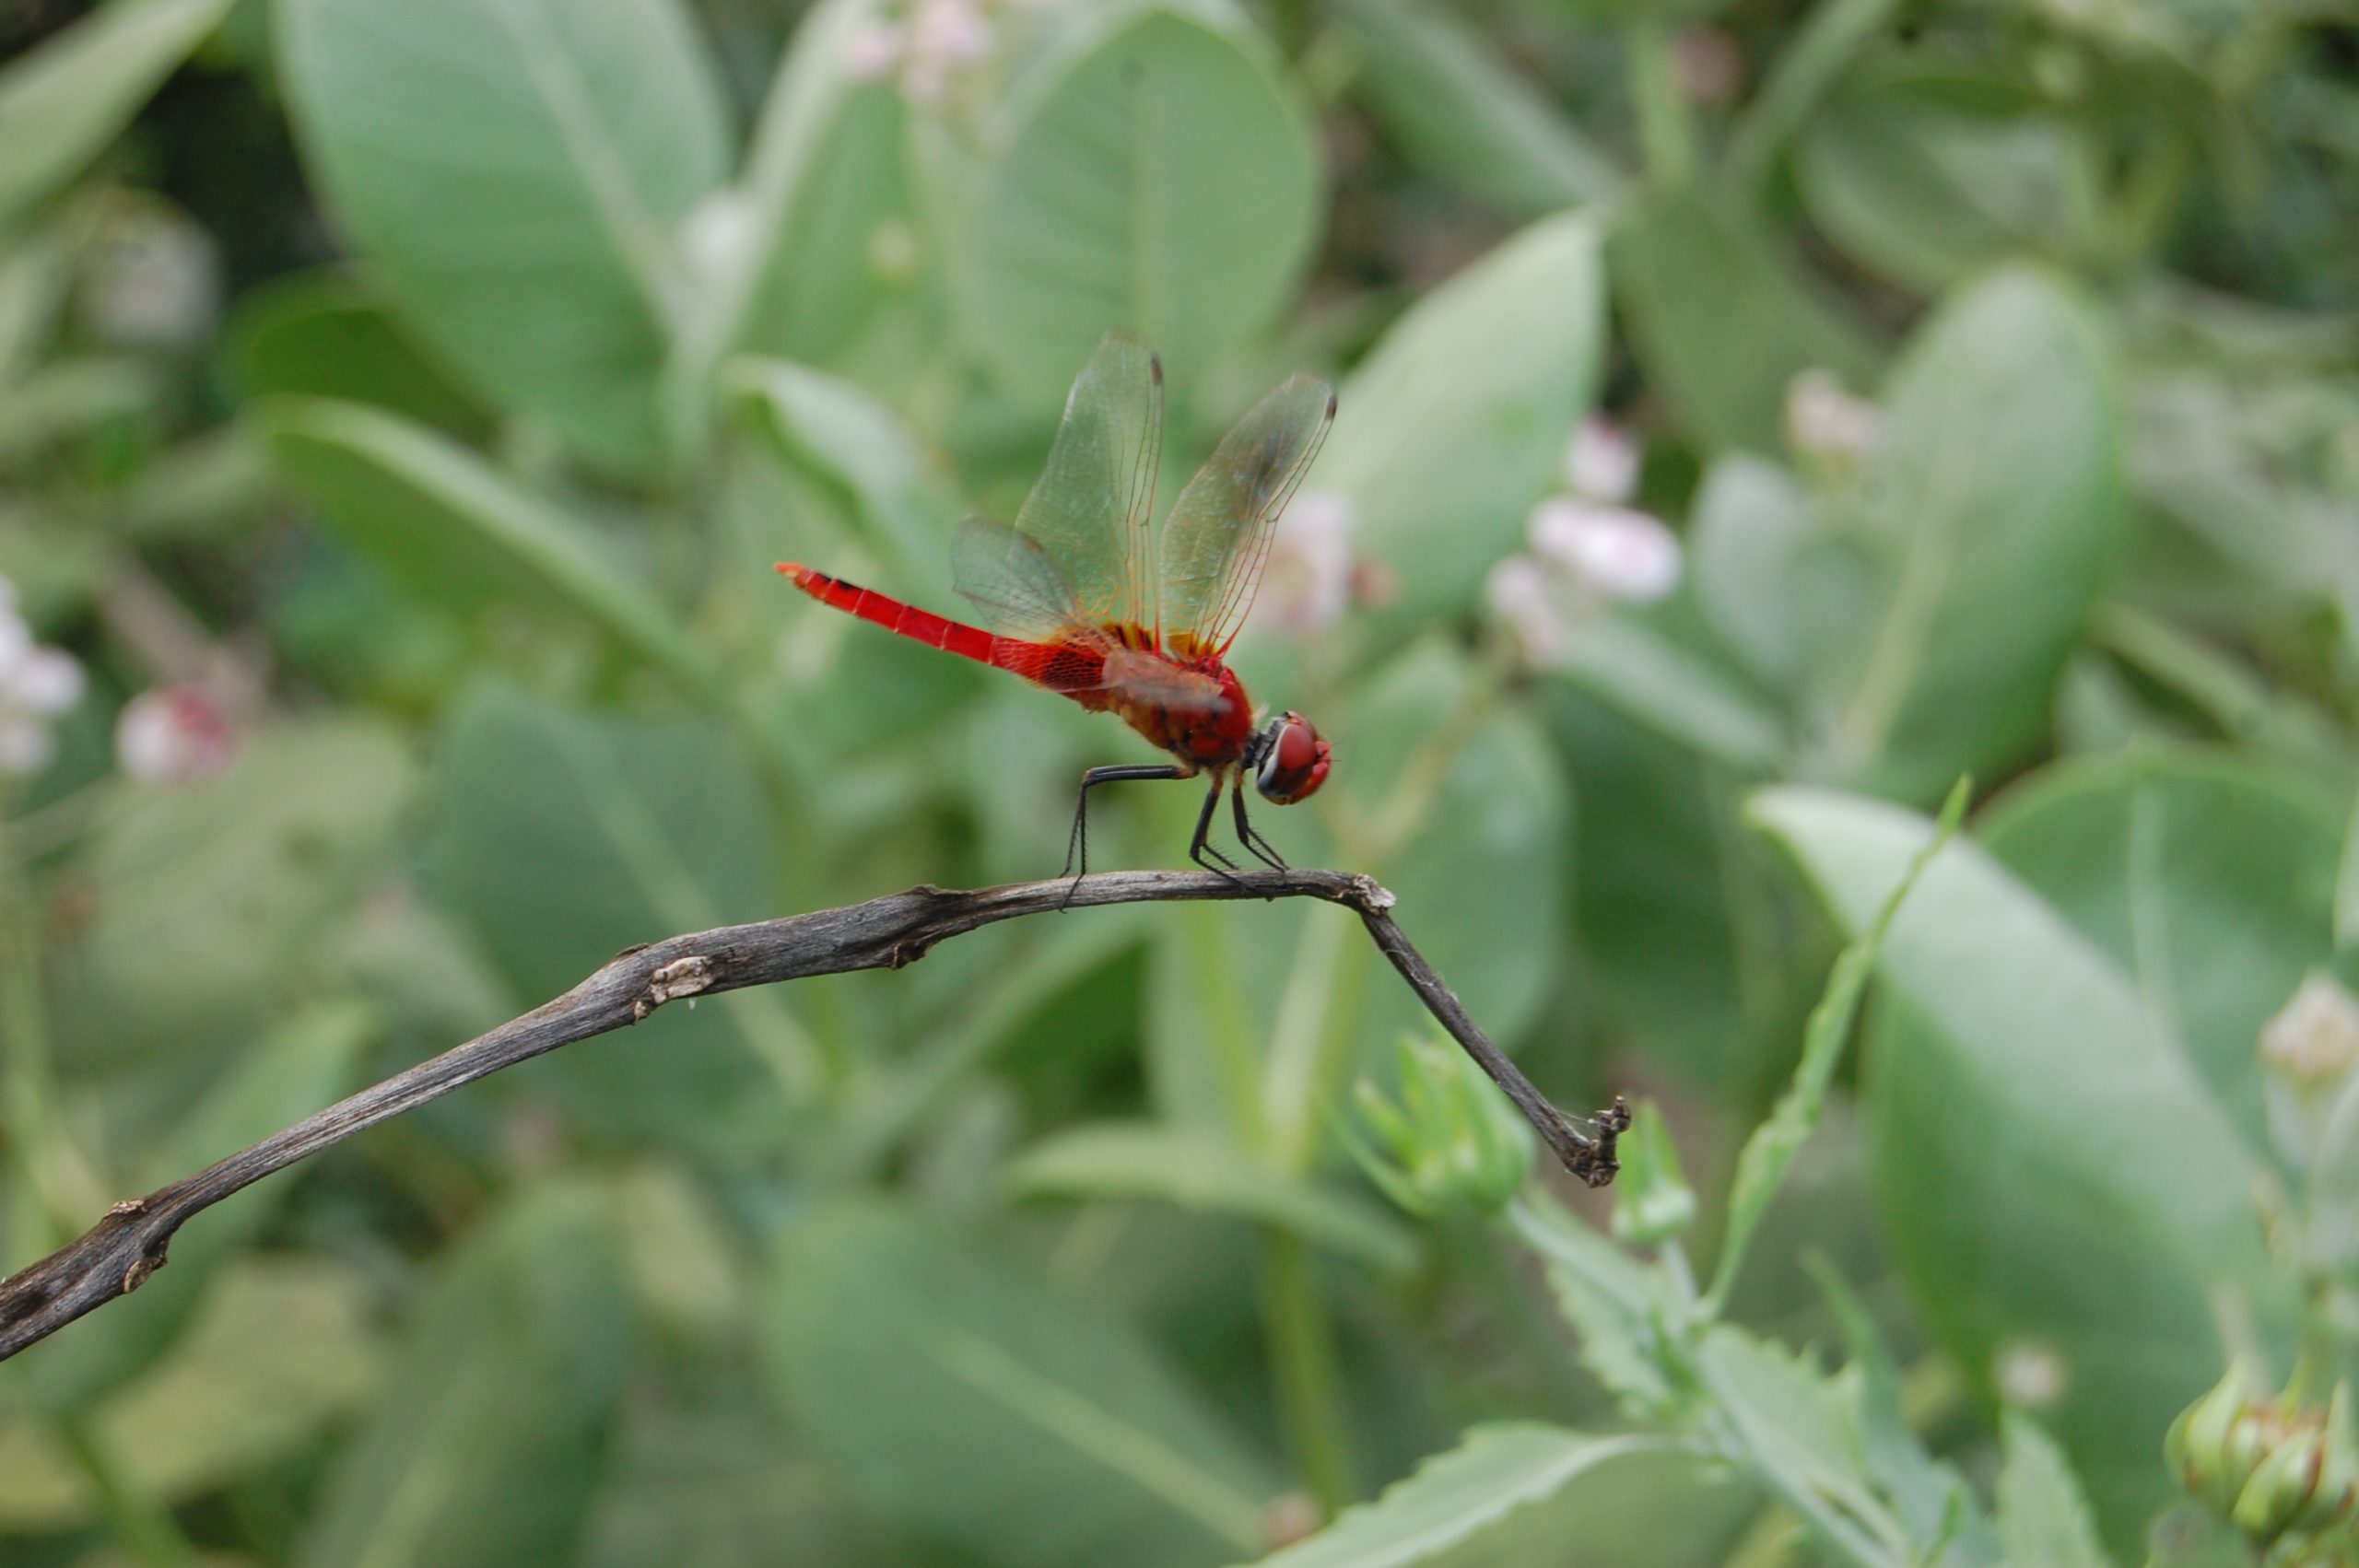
{"points": [[1293, 761]]}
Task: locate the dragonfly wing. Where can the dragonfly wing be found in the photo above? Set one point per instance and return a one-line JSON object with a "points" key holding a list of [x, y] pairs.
{"points": [[1218, 538], [1011, 580], [1023, 597], [1091, 506]]}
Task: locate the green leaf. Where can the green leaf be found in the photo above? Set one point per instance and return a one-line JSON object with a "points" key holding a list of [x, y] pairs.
{"points": [[1796, 1429], [319, 333], [490, 1438], [1647, 677], [1744, 527], [1981, 535], [1652, 1202], [1431, 84], [281, 1350], [1493, 1470], [63, 102], [1159, 174], [515, 175], [437, 518], [2043, 1520], [1768, 1153], [827, 168], [1721, 323], [1693, 940], [1193, 1170], [304, 1064], [2208, 879], [209, 903], [971, 1403], [1480, 877], [1454, 424], [1621, 1310], [1928, 176], [2054, 1176], [564, 837]]}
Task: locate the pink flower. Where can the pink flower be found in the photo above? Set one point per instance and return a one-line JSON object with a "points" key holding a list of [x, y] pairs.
{"points": [[173, 734], [1308, 583], [1602, 461], [1521, 593], [1611, 551], [36, 684]]}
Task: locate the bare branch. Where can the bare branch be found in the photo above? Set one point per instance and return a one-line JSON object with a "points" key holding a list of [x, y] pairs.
{"points": [[125, 1247]]}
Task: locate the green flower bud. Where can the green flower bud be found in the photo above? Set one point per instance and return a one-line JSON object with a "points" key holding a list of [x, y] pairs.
{"points": [[2271, 1467], [1450, 1142]]}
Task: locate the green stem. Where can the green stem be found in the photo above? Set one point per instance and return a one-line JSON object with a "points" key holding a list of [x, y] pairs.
{"points": [[143, 1524], [1302, 1363], [1806, 70], [54, 1184], [1666, 132]]}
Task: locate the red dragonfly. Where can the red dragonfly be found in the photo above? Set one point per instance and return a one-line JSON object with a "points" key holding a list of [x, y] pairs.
{"points": [[1078, 599]]}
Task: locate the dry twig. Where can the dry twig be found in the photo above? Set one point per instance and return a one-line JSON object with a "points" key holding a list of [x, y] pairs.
{"points": [[128, 1244]]}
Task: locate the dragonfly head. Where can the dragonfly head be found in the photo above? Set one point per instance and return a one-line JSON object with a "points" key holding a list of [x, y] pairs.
{"points": [[1288, 759]]}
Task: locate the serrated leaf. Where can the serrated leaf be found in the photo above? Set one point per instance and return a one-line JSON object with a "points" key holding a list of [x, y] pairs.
{"points": [[2044, 1520], [1493, 1471]]}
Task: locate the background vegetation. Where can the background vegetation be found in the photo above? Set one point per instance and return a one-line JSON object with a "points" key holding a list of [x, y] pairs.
{"points": [[1756, 415]]}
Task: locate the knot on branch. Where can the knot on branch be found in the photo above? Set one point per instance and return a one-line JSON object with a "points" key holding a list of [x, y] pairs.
{"points": [[680, 977]]}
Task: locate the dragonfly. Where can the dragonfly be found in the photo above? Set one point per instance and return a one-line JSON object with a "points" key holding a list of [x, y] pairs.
{"points": [[1081, 595]]}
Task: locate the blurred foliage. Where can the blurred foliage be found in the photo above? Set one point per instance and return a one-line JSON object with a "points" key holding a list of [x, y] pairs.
{"points": [[400, 406]]}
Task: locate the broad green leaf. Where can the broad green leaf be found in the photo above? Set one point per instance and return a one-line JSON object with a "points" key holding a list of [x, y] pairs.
{"points": [[454, 531], [303, 1065], [1748, 519], [1493, 1471], [1693, 940], [1159, 174], [1480, 875], [1430, 82], [845, 439], [280, 1351], [2043, 1520], [1976, 547], [208, 902], [488, 1445], [1720, 320], [2056, 1178], [2209, 880], [1193, 1170], [322, 334], [63, 102], [968, 1402], [1645, 675], [515, 174], [826, 169], [563, 838], [1928, 176], [1768, 1153], [1453, 425]]}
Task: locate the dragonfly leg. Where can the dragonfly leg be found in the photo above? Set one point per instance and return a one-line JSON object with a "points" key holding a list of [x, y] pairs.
{"points": [[1198, 846], [1078, 842], [1261, 846]]}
